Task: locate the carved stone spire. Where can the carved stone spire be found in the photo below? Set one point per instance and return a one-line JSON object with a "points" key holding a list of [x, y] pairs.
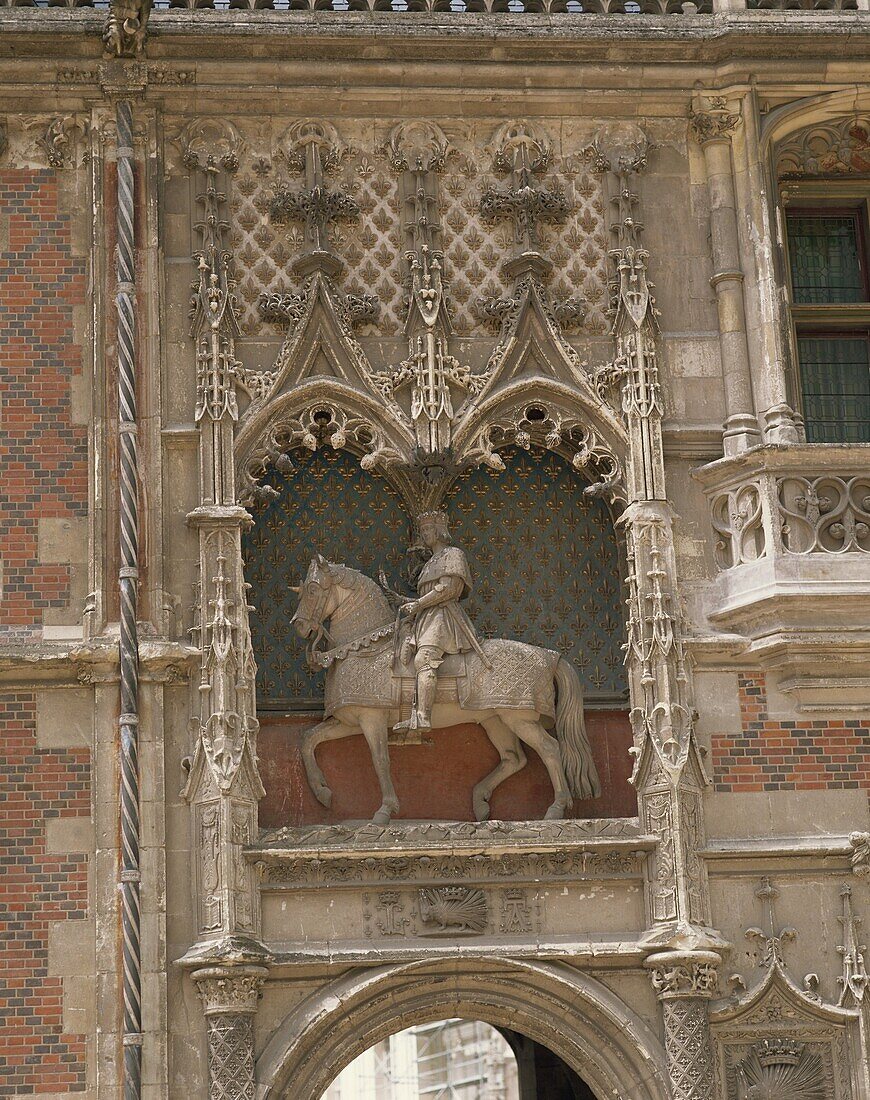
{"points": [[223, 784], [433, 377], [855, 980]]}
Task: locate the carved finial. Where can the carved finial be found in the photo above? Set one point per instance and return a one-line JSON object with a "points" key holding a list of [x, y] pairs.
{"points": [[526, 154], [855, 979], [772, 941], [314, 148]]}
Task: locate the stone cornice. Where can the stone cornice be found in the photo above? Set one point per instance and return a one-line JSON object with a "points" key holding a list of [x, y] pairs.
{"points": [[28, 665], [706, 39], [801, 458]]}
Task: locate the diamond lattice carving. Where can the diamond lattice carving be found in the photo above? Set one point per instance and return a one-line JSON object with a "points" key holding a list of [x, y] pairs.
{"points": [[231, 1057], [371, 248]]}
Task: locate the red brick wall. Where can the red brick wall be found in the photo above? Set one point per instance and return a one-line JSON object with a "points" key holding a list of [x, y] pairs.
{"points": [[36, 889], [775, 755], [43, 456], [433, 781]]}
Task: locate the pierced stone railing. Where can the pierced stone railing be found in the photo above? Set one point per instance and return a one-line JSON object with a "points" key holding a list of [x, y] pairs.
{"points": [[790, 523], [637, 8]]}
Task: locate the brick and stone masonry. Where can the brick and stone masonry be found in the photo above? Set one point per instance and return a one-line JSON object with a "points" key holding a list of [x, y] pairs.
{"points": [[775, 755]]}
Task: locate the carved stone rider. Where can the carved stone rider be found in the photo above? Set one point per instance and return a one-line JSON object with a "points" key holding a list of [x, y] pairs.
{"points": [[439, 625]]}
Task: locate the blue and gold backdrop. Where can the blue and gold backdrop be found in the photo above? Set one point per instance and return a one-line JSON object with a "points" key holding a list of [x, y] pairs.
{"points": [[545, 561]]}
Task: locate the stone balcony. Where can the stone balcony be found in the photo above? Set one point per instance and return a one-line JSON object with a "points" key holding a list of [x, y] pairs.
{"points": [[792, 531]]}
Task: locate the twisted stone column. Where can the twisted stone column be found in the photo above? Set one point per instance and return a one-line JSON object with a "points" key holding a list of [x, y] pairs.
{"points": [[128, 581], [684, 982], [713, 128], [229, 997]]}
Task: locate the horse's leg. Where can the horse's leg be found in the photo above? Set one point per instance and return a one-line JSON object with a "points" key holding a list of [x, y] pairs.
{"points": [[512, 760], [376, 728], [547, 747], [330, 730]]}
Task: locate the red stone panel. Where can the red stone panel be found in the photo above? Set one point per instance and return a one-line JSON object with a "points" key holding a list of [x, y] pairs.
{"points": [[775, 755], [433, 781], [43, 455], [37, 889]]}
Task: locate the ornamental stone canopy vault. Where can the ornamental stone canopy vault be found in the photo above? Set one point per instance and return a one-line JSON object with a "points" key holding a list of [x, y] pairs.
{"points": [[436, 539]]}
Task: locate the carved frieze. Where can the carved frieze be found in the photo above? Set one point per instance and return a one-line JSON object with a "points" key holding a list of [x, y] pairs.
{"points": [[452, 911]]}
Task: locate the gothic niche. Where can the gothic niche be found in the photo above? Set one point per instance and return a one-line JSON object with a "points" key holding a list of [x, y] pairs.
{"points": [[392, 498], [546, 570]]}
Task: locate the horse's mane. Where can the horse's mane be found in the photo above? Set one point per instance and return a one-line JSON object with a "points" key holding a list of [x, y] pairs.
{"points": [[356, 580], [373, 611]]}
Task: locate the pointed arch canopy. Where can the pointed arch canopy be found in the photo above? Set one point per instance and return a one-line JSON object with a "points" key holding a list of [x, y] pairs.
{"points": [[324, 389], [577, 1017]]}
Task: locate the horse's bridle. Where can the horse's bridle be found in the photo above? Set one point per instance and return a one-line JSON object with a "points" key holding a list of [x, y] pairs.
{"points": [[316, 618]]}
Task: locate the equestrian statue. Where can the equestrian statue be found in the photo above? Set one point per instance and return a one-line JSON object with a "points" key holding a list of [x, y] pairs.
{"points": [[424, 668]]}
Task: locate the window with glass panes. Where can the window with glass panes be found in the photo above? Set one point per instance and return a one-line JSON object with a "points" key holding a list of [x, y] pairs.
{"points": [[830, 293]]}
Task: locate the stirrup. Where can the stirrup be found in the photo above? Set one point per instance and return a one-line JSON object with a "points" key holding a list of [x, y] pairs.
{"points": [[413, 723]]}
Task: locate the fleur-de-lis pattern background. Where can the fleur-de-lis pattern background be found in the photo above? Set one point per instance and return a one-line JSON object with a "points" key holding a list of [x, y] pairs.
{"points": [[328, 505], [545, 562]]}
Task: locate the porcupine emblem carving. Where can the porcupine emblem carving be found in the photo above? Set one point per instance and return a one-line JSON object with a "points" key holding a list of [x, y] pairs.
{"points": [[455, 907]]}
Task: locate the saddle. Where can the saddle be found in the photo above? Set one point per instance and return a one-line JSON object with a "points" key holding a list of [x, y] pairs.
{"points": [[451, 679]]}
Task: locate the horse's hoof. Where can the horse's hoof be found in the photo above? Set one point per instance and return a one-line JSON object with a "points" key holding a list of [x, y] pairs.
{"points": [[481, 809], [384, 815], [324, 796], [556, 812]]}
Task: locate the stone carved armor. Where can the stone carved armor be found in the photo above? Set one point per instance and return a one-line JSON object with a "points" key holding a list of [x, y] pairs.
{"points": [[445, 625], [439, 624]]}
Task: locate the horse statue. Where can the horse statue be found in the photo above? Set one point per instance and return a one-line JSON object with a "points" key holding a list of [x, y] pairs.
{"points": [[511, 689]]}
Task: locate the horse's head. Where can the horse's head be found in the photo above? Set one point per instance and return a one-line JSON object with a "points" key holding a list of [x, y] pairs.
{"points": [[317, 597]]}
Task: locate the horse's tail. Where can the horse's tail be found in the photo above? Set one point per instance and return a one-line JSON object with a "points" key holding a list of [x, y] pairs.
{"points": [[580, 770]]}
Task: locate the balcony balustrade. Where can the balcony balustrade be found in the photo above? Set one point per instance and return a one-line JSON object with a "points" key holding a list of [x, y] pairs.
{"points": [[792, 538]]}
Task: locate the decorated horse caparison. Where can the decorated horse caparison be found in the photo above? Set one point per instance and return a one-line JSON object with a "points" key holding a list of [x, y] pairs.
{"points": [[512, 689]]}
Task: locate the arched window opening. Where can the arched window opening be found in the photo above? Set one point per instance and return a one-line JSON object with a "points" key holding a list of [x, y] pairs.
{"points": [[458, 1059]]}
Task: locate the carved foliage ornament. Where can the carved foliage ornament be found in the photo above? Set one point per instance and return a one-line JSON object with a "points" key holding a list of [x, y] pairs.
{"points": [[712, 120], [524, 153]]}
